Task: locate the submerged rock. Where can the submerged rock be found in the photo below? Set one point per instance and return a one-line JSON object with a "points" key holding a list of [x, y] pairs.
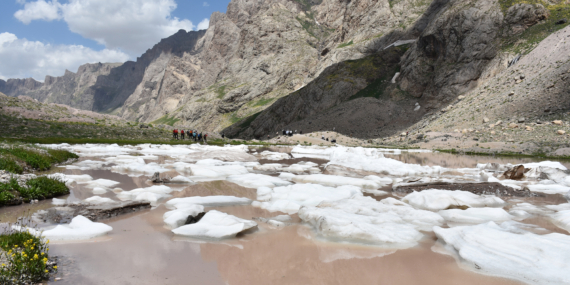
{"points": [[482, 188], [62, 215], [194, 219]]}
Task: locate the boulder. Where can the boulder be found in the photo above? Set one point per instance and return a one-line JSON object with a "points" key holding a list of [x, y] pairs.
{"points": [[513, 126], [557, 122], [194, 219], [485, 120], [560, 132], [515, 173]]}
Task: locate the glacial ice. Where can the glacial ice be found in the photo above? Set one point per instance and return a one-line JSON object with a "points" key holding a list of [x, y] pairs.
{"points": [[208, 201], [176, 218], [475, 215], [149, 194], [97, 200], [502, 250], [435, 200], [548, 188], [215, 225], [332, 180], [289, 199], [562, 219], [253, 180], [270, 155], [208, 172], [364, 220], [80, 228]]}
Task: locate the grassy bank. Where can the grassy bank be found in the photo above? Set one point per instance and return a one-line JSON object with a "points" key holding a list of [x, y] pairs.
{"points": [[24, 258], [39, 188], [16, 158], [504, 154]]}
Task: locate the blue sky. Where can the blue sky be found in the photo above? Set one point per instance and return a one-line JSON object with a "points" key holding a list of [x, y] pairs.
{"points": [[45, 37]]}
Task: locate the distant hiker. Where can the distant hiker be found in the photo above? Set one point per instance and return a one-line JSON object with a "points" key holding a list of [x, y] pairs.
{"points": [[182, 134], [323, 137], [334, 128], [327, 139], [194, 135], [295, 131], [333, 141], [223, 136], [267, 137], [174, 134], [300, 132], [206, 138], [284, 133]]}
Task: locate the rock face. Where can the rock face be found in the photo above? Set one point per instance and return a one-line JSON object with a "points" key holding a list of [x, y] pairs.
{"points": [[304, 64]]}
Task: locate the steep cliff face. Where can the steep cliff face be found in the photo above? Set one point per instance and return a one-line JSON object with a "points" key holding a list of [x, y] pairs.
{"points": [[461, 44]]}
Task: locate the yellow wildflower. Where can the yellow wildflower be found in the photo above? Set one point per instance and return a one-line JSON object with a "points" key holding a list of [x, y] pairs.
{"points": [[35, 256], [46, 271], [55, 267]]}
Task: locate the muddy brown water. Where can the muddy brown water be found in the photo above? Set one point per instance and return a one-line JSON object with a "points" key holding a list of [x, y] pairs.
{"points": [[140, 250]]}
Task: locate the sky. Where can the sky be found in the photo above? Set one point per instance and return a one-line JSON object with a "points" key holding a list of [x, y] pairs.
{"points": [[46, 37]]}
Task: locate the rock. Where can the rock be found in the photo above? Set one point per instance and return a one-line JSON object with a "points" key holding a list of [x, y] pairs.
{"points": [[156, 178], [520, 17], [194, 219], [481, 188], [461, 97], [513, 126], [493, 132], [511, 93], [485, 120], [491, 126], [518, 81], [529, 128], [515, 173], [560, 132], [92, 212], [561, 21], [143, 126], [521, 120], [403, 134], [557, 122], [498, 123]]}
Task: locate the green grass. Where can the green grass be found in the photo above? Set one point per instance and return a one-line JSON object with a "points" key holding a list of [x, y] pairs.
{"points": [[13, 158], [345, 44], [39, 188], [263, 102], [221, 91], [26, 256], [165, 120]]}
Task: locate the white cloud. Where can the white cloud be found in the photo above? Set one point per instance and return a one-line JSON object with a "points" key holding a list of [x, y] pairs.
{"points": [[40, 10], [132, 26], [205, 4], [204, 24], [21, 58]]}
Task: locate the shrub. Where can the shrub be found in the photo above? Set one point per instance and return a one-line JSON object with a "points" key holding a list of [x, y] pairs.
{"points": [[10, 165], [25, 254]]}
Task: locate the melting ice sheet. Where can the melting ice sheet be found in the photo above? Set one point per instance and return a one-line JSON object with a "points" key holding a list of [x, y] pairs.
{"points": [[435, 200], [215, 225], [509, 251], [80, 228]]}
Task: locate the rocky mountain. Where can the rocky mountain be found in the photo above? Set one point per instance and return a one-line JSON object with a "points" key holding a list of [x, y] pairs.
{"points": [[312, 65], [461, 44]]}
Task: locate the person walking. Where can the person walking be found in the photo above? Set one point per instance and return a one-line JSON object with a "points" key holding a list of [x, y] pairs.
{"points": [[174, 134], [206, 138], [182, 134]]}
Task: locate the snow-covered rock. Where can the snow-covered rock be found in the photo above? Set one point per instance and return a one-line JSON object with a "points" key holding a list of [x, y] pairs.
{"points": [[215, 225], [511, 252], [435, 200], [270, 155], [332, 180], [97, 200]]}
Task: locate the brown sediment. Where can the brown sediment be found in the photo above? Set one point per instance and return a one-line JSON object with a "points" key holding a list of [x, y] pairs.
{"points": [[482, 188], [449, 160], [216, 188]]}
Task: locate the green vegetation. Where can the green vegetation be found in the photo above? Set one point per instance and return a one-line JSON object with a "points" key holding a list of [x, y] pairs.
{"points": [[165, 120], [345, 44], [15, 158], [221, 91], [39, 188], [530, 38], [25, 256], [263, 102]]}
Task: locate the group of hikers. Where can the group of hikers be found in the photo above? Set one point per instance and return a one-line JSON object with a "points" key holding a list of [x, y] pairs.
{"points": [[191, 134]]}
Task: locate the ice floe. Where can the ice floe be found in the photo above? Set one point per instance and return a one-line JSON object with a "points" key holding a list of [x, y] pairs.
{"points": [[208, 201], [97, 200], [507, 251], [548, 188], [253, 180], [289, 199], [435, 200], [562, 219], [149, 194], [269, 155], [209, 172], [475, 215], [332, 180], [364, 220], [80, 228], [176, 218], [215, 225]]}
